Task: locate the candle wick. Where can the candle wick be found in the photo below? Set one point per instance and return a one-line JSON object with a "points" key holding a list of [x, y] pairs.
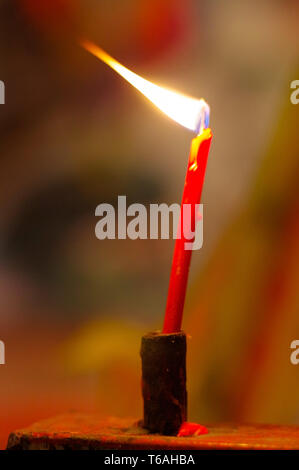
{"points": [[203, 117]]}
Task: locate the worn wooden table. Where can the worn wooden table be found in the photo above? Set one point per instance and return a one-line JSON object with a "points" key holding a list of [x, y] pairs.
{"points": [[76, 431]]}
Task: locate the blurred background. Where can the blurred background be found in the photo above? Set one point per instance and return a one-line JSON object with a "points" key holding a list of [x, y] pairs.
{"points": [[74, 135]]}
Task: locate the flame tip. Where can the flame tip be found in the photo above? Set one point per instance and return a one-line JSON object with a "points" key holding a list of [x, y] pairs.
{"points": [[189, 112]]}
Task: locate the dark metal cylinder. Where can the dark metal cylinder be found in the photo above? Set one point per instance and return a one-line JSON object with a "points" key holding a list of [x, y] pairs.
{"points": [[164, 391]]}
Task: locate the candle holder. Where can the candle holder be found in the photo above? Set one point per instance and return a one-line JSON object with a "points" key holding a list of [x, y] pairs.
{"points": [[164, 391]]}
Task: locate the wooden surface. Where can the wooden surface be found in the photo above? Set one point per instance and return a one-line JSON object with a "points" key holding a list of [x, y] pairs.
{"points": [[75, 431]]}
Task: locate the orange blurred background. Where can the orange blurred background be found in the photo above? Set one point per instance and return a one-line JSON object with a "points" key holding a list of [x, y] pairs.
{"points": [[74, 135]]}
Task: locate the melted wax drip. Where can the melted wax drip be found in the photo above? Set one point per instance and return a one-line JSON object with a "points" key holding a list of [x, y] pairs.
{"points": [[191, 429]]}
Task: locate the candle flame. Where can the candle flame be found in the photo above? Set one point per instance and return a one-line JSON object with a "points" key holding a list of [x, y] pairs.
{"points": [[189, 112]]}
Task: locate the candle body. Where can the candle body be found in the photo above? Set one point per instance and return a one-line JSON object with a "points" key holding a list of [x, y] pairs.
{"points": [[197, 162]]}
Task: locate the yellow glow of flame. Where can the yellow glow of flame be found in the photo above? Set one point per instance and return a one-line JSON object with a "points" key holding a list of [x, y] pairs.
{"points": [[189, 112]]}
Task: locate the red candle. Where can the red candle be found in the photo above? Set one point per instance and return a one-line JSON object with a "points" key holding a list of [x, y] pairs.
{"points": [[199, 152], [193, 114]]}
